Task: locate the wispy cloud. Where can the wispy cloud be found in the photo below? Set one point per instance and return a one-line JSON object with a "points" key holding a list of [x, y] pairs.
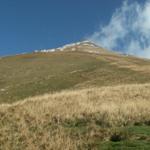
{"points": [[128, 30]]}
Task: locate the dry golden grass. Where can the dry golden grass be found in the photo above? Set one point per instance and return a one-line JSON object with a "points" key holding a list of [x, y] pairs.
{"points": [[38, 122], [130, 62]]}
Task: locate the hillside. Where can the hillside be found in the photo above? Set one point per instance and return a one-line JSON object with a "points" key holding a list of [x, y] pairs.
{"points": [[79, 96], [76, 66]]}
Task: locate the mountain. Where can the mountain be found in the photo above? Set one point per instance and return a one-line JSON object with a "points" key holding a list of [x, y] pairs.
{"points": [[79, 96], [73, 66]]}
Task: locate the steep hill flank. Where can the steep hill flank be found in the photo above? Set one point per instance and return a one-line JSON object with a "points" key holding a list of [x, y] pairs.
{"points": [[32, 74]]}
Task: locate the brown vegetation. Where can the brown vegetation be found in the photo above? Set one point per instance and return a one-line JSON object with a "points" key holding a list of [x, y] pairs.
{"points": [[67, 120]]}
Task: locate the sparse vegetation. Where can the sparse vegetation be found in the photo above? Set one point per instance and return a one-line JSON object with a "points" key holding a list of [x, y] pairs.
{"points": [[34, 74], [93, 118]]}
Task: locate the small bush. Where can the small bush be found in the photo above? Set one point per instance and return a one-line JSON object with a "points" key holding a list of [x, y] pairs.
{"points": [[118, 136], [138, 123], [147, 123]]}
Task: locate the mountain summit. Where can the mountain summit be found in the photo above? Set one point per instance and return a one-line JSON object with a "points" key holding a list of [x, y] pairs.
{"points": [[83, 46]]}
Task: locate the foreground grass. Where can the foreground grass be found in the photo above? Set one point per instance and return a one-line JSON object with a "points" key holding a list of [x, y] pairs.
{"points": [[95, 118]]}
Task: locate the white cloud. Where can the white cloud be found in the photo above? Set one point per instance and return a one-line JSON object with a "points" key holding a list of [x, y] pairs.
{"points": [[128, 30]]}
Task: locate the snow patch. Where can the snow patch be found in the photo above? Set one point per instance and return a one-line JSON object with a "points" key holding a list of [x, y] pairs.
{"points": [[73, 49], [72, 45]]}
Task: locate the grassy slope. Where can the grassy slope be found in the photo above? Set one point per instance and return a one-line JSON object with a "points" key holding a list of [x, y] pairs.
{"points": [[81, 119], [96, 118], [34, 74]]}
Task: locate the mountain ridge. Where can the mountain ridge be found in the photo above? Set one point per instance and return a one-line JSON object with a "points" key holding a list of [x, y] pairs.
{"points": [[72, 46]]}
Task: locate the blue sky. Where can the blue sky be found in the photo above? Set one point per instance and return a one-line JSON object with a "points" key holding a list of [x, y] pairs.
{"points": [[27, 25]]}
